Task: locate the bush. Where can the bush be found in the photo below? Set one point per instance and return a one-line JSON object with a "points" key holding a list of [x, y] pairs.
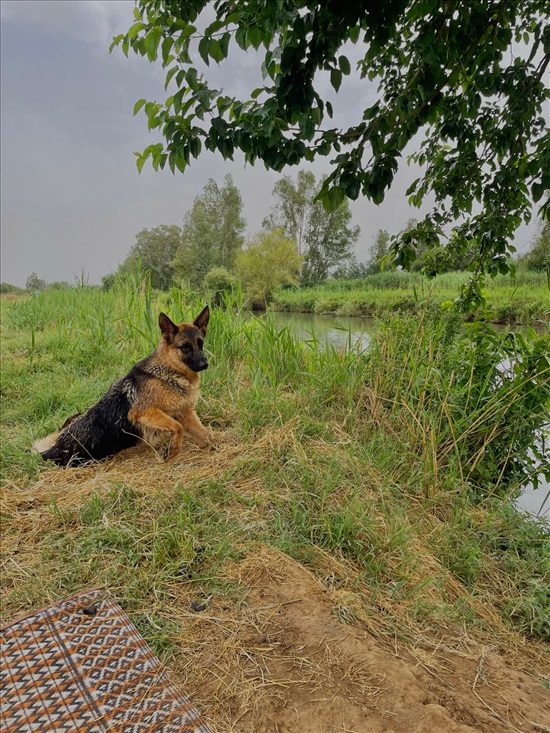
{"points": [[217, 282], [7, 288]]}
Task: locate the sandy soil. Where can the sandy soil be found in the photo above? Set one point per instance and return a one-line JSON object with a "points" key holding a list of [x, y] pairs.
{"points": [[292, 660]]}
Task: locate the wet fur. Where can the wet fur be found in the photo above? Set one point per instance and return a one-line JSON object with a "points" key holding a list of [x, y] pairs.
{"points": [[158, 396]]}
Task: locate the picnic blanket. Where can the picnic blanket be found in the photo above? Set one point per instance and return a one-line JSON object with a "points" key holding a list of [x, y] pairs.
{"points": [[81, 666]]}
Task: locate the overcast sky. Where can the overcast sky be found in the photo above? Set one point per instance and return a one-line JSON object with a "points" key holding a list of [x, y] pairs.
{"points": [[71, 199]]}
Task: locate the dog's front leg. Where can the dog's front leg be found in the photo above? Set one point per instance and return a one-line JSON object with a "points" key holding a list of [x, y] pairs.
{"points": [[192, 425], [152, 417]]}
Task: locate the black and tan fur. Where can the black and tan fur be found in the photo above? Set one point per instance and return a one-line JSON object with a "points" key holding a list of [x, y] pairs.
{"points": [[158, 396]]}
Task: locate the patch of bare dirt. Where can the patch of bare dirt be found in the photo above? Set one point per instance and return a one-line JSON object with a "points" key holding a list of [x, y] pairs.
{"points": [[292, 659]]}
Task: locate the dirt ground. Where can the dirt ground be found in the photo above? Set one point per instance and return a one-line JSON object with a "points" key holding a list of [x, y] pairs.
{"points": [[289, 652], [291, 661]]}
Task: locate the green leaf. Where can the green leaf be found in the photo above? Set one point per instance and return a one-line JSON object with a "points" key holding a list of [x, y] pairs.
{"points": [[255, 36], [354, 33], [169, 76], [204, 46], [215, 50], [345, 66], [166, 48], [151, 41], [138, 105], [224, 44], [336, 79], [195, 146], [537, 190], [333, 198], [180, 163], [115, 42], [213, 27], [134, 30]]}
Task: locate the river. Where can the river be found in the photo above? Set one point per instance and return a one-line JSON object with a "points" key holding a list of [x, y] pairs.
{"points": [[338, 329]]}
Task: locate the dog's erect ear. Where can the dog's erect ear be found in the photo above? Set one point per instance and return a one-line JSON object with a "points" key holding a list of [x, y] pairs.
{"points": [[201, 321], [169, 329]]}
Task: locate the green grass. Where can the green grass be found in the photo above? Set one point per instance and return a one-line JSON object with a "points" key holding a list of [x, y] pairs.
{"points": [[522, 299], [397, 464]]}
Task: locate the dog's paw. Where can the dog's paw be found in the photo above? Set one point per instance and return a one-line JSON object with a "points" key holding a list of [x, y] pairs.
{"points": [[169, 453], [202, 440]]}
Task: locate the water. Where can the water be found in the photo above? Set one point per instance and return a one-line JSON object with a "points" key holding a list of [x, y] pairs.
{"points": [[334, 329], [339, 329]]}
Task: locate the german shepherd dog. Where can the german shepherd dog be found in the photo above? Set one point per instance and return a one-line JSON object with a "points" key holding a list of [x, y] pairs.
{"points": [[157, 396]]}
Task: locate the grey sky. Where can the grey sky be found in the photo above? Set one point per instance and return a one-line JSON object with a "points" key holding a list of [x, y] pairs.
{"points": [[72, 200]]}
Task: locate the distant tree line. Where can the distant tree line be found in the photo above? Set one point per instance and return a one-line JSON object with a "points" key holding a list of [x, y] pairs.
{"points": [[537, 257], [433, 260], [300, 242]]}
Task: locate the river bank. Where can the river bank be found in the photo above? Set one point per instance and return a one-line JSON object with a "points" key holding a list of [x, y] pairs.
{"points": [[520, 300]]}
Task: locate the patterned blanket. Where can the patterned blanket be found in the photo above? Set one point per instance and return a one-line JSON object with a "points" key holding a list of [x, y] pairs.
{"points": [[80, 666]]}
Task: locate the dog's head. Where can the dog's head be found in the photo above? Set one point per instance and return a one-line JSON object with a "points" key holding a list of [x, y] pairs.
{"points": [[186, 341]]}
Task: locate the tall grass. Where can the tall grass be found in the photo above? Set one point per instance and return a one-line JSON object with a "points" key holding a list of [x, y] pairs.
{"points": [[520, 299], [400, 461]]}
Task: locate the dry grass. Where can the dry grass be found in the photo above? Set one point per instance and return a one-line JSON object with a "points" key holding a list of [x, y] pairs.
{"points": [[51, 502]]}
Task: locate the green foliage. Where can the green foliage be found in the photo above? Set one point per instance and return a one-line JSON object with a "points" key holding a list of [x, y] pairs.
{"points": [[324, 239], [538, 256], [154, 249], [7, 288], [34, 282], [269, 261], [212, 232], [519, 299], [379, 252], [351, 270], [451, 75], [483, 394], [59, 285], [107, 281], [512, 369], [217, 282]]}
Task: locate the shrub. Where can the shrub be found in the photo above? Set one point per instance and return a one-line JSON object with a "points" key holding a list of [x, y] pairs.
{"points": [[217, 282]]}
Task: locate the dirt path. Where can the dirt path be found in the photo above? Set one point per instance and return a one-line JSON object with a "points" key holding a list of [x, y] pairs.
{"points": [[291, 662]]}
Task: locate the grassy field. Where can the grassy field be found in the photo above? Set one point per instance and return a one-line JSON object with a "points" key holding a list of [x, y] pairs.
{"points": [[388, 474], [522, 299]]}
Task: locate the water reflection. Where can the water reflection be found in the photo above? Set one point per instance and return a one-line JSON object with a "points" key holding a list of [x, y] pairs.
{"points": [[339, 330]]}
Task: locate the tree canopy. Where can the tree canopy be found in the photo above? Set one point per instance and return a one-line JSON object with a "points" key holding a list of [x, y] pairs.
{"points": [[34, 282], [155, 249], [212, 231], [324, 238], [464, 78], [268, 261], [537, 258]]}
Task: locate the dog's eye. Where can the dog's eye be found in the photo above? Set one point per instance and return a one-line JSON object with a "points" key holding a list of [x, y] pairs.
{"points": [[200, 343], [186, 347]]}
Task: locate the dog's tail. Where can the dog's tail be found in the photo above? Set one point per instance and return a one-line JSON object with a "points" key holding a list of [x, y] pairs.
{"points": [[44, 444]]}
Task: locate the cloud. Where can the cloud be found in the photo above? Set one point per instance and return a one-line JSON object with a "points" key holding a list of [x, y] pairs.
{"points": [[93, 22]]}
